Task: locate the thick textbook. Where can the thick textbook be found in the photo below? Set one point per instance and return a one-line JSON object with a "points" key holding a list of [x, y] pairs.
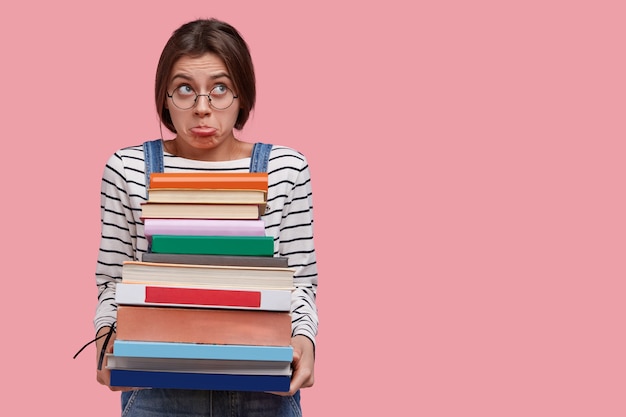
{"points": [[202, 351], [203, 325], [190, 195], [185, 296], [200, 381], [215, 227], [215, 276], [214, 245], [201, 211], [181, 258], [210, 180], [199, 365]]}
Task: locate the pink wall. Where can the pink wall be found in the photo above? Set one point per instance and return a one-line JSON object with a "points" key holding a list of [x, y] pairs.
{"points": [[468, 171]]}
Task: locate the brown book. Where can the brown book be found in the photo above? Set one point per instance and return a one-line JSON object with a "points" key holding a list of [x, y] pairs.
{"points": [[242, 211], [208, 326], [206, 196]]}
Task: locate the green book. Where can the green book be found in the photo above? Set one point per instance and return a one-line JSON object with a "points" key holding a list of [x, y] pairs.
{"points": [[214, 245]]}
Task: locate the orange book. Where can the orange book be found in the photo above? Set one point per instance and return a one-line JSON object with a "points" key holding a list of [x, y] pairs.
{"points": [[202, 325], [210, 180]]}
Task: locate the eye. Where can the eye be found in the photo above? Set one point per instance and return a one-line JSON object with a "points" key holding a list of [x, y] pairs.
{"points": [[219, 90], [185, 90]]}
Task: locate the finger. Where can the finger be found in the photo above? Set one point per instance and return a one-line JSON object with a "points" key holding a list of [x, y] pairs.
{"points": [[122, 388], [282, 394]]}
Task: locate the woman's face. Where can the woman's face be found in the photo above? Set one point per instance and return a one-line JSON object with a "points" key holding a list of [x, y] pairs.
{"points": [[203, 126]]}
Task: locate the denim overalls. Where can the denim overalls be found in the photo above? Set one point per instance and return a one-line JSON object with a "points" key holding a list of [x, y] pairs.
{"points": [[196, 403]]}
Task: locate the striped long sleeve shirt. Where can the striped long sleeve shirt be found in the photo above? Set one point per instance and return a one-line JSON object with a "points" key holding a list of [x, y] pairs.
{"points": [[288, 219]]}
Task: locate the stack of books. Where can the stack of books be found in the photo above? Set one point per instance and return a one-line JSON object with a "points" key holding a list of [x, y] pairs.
{"points": [[208, 307]]}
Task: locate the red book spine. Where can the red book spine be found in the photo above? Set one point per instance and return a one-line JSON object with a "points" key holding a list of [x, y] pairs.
{"points": [[230, 298]]}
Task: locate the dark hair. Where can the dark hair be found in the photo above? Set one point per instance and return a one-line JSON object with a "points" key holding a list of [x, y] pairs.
{"points": [[195, 39]]}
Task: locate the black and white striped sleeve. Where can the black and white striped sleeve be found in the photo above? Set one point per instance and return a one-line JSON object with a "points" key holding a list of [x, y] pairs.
{"points": [[290, 220], [118, 239]]}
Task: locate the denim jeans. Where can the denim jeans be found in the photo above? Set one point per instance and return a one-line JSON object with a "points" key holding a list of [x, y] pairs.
{"points": [[196, 403]]}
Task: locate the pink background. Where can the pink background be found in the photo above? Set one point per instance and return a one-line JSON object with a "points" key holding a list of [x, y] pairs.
{"points": [[468, 174]]}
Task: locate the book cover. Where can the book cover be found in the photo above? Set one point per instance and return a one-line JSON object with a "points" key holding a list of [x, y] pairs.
{"points": [[201, 211], [215, 276], [202, 351], [184, 296], [214, 245], [199, 227], [181, 258], [210, 180], [187, 195], [201, 381], [203, 325], [216, 366]]}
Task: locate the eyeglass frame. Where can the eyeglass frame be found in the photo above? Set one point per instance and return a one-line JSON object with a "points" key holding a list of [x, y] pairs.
{"points": [[208, 96]]}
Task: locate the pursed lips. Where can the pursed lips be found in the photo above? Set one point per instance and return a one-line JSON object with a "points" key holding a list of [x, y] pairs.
{"points": [[203, 130]]}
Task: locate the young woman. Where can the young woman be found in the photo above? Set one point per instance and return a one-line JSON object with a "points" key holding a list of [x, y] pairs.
{"points": [[204, 91]]}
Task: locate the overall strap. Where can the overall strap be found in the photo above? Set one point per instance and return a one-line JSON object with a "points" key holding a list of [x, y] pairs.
{"points": [[260, 157], [153, 157]]}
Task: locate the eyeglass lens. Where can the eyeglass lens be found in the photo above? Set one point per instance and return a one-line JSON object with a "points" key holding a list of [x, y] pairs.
{"points": [[220, 97]]}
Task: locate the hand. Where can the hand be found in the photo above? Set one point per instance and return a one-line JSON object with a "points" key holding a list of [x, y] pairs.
{"points": [[302, 365], [104, 375]]}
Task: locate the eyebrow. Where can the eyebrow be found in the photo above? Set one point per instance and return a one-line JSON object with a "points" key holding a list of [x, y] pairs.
{"points": [[213, 77]]}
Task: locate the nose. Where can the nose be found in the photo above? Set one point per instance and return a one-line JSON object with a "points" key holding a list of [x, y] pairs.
{"points": [[203, 106]]}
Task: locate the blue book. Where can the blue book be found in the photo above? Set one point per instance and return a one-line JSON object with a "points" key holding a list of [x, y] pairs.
{"points": [[202, 351], [193, 380]]}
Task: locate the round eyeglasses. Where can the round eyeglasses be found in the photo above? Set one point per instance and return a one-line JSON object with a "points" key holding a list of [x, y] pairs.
{"points": [[220, 97]]}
